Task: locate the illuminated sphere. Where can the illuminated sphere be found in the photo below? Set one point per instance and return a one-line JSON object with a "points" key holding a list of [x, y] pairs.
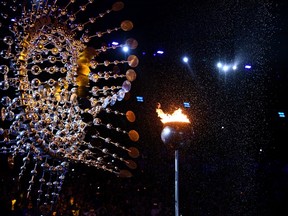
{"points": [[176, 135]]}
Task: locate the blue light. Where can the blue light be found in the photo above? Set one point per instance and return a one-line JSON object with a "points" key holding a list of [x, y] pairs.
{"points": [[281, 114], [160, 52], [186, 104], [225, 68], [185, 59], [139, 99], [115, 43], [125, 48], [248, 66]]}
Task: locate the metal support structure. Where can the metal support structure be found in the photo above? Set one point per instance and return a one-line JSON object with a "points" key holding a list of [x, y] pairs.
{"points": [[176, 135], [176, 183]]}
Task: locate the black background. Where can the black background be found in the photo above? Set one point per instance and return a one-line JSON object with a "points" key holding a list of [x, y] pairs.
{"points": [[237, 162]]}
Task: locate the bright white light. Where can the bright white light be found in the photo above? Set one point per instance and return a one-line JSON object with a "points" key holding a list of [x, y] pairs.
{"points": [[225, 68], [160, 52], [125, 49], [115, 43], [248, 66], [185, 59]]}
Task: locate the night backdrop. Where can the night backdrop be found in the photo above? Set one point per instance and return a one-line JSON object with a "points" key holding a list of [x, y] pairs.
{"points": [[237, 161]]}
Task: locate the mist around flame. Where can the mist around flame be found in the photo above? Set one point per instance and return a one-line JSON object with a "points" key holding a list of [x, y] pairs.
{"points": [[176, 116]]}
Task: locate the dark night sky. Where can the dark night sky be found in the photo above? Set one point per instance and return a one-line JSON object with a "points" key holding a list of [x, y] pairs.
{"points": [[237, 163]]}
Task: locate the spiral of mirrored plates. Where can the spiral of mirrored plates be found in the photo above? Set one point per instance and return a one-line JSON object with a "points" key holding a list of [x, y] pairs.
{"points": [[58, 93]]}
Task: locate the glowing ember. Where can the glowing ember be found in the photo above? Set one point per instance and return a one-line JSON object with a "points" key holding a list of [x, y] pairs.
{"points": [[176, 116]]}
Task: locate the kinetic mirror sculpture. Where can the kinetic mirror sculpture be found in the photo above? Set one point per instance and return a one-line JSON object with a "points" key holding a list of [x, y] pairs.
{"points": [[58, 97]]}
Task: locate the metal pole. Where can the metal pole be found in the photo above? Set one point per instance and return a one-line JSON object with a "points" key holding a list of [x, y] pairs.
{"points": [[176, 184]]}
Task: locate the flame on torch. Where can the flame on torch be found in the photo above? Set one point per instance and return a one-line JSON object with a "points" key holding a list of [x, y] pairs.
{"points": [[176, 116]]}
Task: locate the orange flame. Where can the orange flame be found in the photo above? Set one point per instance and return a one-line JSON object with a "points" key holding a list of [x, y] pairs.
{"points": [[176, 116]]}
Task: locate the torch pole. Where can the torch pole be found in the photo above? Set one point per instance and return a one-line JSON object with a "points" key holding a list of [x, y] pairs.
{"points": [[176, 135], [176, 183]]}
